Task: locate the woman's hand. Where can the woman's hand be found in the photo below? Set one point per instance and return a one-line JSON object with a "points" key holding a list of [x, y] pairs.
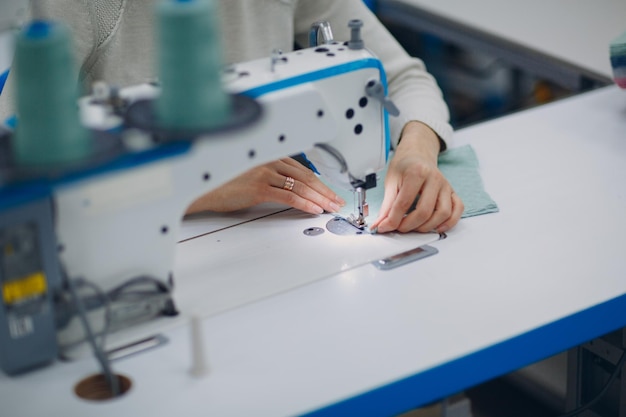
{"points": [[269, 183], [413, 172]]}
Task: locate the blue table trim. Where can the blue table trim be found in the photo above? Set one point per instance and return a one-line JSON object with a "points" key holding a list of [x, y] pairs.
{"points": [[502, 358]]}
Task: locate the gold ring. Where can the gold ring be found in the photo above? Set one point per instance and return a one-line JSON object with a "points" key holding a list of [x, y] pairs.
{"points": [[289, 183]]}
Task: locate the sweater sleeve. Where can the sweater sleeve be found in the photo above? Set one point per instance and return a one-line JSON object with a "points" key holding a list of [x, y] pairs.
{"points": [[410, 86]]}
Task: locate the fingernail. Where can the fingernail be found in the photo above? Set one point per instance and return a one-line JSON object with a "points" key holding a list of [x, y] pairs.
{"points": [[334, 206], [318, 209], [340, 201], [374, 230]]}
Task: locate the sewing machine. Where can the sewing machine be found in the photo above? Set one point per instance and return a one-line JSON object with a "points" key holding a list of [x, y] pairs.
{"points": [[109, 221]]}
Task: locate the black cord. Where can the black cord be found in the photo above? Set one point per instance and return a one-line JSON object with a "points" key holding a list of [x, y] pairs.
{"points": [[603, 391]]}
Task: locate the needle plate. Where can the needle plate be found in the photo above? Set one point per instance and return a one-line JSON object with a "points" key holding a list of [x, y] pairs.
{"points": [[340, 226]]}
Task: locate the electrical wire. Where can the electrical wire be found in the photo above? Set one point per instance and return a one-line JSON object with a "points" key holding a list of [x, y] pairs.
{"points": [[110, 378], [122, 288], [599, 395], [134, 290], [107, 307], [137, 289]]}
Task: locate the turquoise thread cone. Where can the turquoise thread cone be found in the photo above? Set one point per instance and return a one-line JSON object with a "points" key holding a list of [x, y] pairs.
{"points": [[189, 63], [49, 131]]}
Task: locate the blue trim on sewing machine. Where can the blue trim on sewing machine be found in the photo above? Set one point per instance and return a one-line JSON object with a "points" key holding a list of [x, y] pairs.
{"points": [[454, 376], [20, 192], [327, 73]]}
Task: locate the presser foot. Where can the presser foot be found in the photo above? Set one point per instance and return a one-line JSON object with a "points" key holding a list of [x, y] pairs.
{"points": [[358, 222]]}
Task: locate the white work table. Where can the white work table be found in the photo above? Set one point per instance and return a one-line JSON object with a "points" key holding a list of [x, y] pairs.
{"points": [[566, 41], [546, 273]]}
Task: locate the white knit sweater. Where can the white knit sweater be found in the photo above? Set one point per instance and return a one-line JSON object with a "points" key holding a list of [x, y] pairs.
{"points": [[114, 42]]}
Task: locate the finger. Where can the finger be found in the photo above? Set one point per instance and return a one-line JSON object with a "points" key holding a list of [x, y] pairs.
{"points": [[392, 187], [389, 196], [441, 212], [457, 212], [400, 206], [296, 193], [278, 179], [423, 210], [279, 172], [292, 199], [308, 186], [303, 174]]}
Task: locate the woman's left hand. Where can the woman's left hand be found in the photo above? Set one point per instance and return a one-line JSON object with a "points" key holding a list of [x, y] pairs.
{"points": [[284, 181], [413, 173]]}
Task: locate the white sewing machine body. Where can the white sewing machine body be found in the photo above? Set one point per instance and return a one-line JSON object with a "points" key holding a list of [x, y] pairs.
{"points": [[132, 215], [119, 219]]}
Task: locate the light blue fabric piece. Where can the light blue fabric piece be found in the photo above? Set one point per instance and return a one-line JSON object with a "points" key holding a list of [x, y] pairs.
{"points": [[458, 165]]}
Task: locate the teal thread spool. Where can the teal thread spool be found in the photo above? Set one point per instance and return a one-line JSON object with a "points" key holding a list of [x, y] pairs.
{"points": [[48, 131], [190, 61]]}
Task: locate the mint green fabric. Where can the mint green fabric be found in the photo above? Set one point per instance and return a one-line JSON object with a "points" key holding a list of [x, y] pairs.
{"points": [[460, 167]]}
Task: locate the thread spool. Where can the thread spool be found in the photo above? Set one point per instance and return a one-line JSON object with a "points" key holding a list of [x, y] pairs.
{"points": [[49, 131], [189, 66]]}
